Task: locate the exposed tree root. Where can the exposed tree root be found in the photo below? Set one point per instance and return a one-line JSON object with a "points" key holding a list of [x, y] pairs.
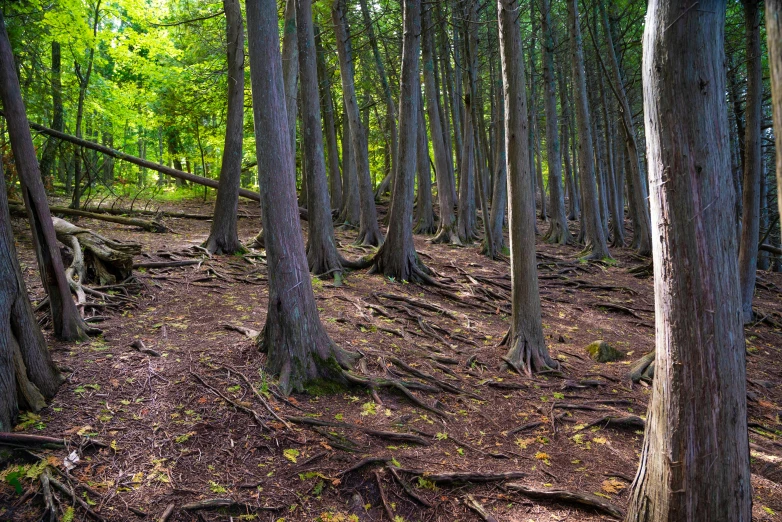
{"points": [[227, 503], [375, 382], [643, 369], [631, 422], [478, 508], [459, 477], [409, 489], [526, 359], [618, 308], [585, 499]]}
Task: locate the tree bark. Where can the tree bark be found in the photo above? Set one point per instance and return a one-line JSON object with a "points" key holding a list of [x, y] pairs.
{"points": [[68, 324], [298, 348], [322, 252], [499, 199], [558, 231], [335, 180], [290, 70], [223, 237], [424, 213], [397, 257], [590, 213], [774, 40], [369, 230], [697, 419], [753, 165], [527, 346], [350, 214], [49, 156]]}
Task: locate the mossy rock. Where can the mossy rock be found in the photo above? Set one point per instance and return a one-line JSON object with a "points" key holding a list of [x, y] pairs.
{"points": [[602, 352]]}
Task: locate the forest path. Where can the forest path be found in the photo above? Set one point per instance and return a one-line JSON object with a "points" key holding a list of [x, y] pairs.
{"points": [[173, 440]]}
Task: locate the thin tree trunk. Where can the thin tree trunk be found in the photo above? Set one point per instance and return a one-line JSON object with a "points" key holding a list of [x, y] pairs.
{"points": [[424, 213], [570, 176], [774, 40], [223, 237], [750, 217], [369, 231], [397, 257], [322, 254], [351, 204], [697, 419], [499, 199], [446, 231], [68, 324], [590, 215], [558, 231], [49, 156], [335, 180], [527, 346], [465, 223], [290, 70]]}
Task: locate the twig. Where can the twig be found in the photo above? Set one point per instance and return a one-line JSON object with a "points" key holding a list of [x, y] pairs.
{"points": [[244, 409]]}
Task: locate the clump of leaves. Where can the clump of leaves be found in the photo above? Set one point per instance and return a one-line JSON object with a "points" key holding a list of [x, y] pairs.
{"points": [[612, 485], [369, 408], [543, 457], [291, 454], [426, 484], [216, 488]]}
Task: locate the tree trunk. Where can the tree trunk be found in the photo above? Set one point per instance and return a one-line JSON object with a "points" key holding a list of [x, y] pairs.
{"points": [[298, 348], [558, 231], [48, 158], [570, 176], [753, 165], [590, 216], [642, 230], [369, 230], [424, 213], [466, 222], [322, 252], [223, 238], [697, 419], [335, 180], [397, 257], [527, 347], [350, 214], [774, 40], [290, 70], [68, 324], [446, 231], [389, 99], [499, 199], [27, 374]]}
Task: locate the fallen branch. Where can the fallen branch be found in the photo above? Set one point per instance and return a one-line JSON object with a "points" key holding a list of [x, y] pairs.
{"points": [[149, 226], [138, 344], [585, 499], [22, 439]]}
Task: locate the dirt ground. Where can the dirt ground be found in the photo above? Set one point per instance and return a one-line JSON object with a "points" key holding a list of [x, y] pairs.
{"points": [[171, 437]]}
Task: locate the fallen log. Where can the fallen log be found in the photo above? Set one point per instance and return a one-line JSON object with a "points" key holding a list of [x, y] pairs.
{"points": [[163, 169], [149, 226], [770, 248]]}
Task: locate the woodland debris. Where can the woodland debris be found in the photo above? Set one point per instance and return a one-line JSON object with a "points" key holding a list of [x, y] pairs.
{"points": [[408, 488], [167, 264], [585, 499], [464, 476], [215, 503], [249, 332], [150, 226], [643, 368], [478, 508], [167, 513], [23, 439], [631, 422], [138, 344]]}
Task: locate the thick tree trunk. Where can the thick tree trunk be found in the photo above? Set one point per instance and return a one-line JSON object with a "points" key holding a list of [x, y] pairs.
{"points": [[322, 252], [223, 238], [68, 324], [424, 213], [527, 346], [397, 257], [27, 374], [558, 231], [298, 348], [774, 40], [335, 179], [753, 165], [590, 215], [642, 239], [446, 231], [369, 230], [697, 420]]}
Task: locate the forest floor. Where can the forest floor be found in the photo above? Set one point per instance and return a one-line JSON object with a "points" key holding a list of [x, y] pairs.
{"points": [[171, 440]]}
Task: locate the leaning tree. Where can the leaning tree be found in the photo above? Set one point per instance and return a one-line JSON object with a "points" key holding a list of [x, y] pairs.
{"points": [[697, 419], [223, 238], [298, 348], [68, 323], [527, 345], [27, 374]]}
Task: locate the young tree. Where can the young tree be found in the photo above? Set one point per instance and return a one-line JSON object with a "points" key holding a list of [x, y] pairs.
{"points": [[397, 257], [298, 348], [590, 213], [322, 252], [223, 238], [753, 168], [527, 346], [369, 230], [558, 231], [324, 76], [774, 39], [697, 420], [68, 324]]}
